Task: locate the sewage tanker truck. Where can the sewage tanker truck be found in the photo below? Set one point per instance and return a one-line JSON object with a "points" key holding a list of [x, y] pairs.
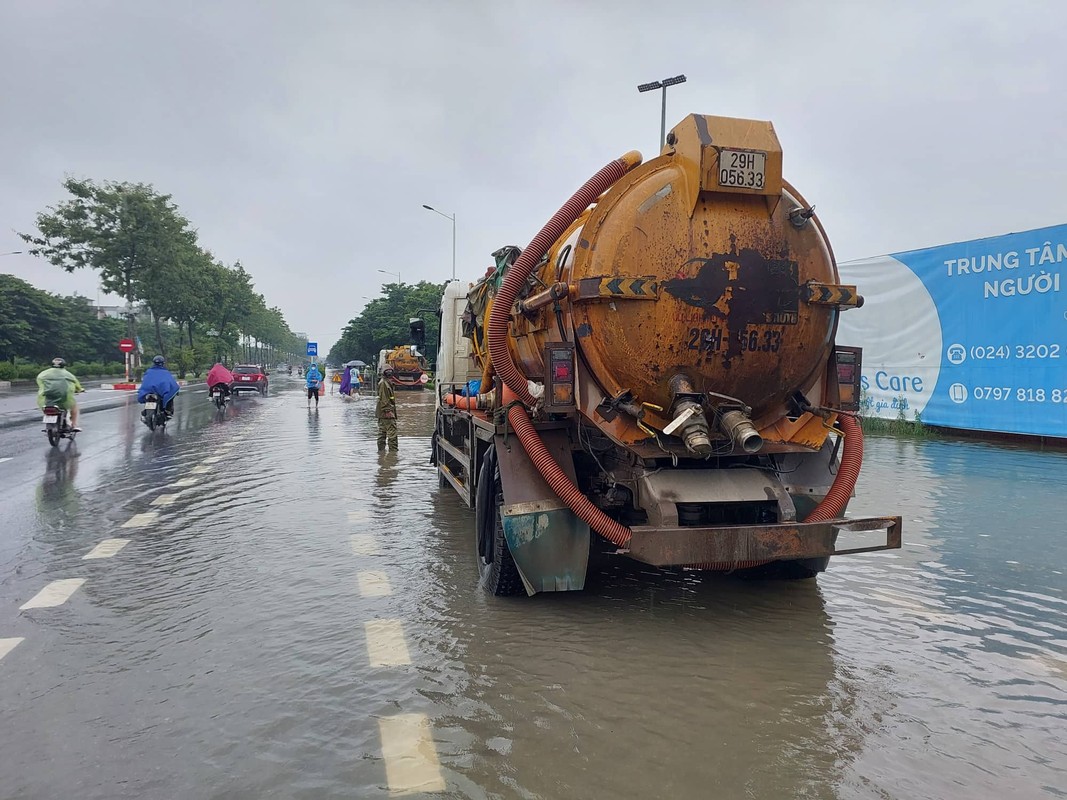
{"points": [[656, 376]]}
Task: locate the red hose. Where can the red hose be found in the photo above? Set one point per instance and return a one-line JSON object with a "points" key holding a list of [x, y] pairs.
{"points": [[847, 474], [517, 275], [514, 382], [570, 494], [461, 402]]}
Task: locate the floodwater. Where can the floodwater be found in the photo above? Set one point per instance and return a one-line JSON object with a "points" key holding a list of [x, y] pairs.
{"points": [[301, 619]]}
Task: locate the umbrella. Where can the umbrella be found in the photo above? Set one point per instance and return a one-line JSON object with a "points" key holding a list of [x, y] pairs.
{"points": [[356, 363]]}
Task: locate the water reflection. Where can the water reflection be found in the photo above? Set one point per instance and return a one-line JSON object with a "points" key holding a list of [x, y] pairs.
{"points": [[56, 489], [648, 684], [936, 671]]}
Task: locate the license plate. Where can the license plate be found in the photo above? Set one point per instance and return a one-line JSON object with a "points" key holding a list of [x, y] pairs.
{"points": [[246, 379], [744, 169], [48, 418], [150, 405]]}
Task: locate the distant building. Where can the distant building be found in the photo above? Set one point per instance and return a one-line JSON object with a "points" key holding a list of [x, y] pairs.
{"points": [[117, 312]]}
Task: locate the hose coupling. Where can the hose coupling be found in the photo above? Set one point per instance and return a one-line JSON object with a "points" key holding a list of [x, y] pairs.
{"points": [[741, 431], [687, 416]]}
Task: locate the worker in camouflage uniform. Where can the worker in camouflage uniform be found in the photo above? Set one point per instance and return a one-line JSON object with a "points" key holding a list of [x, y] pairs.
{"points": [[385, 411]]}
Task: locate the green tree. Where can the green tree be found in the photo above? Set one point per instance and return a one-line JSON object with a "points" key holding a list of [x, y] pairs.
{"points": [[37, 326], [383, 323], [127, 232]]}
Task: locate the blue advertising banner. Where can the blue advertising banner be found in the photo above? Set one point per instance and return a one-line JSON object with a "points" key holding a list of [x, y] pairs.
{"points": [[968, 335]]}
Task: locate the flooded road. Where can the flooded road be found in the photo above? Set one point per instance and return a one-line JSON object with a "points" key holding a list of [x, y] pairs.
{"points": [[273, 609]]}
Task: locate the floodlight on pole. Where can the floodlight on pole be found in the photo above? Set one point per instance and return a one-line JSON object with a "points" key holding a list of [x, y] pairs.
{"points": [[396, 274], [663, 84], [453, 218]]}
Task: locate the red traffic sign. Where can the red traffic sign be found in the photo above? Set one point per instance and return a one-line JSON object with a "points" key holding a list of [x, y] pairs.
{"points": [[126, 345]]}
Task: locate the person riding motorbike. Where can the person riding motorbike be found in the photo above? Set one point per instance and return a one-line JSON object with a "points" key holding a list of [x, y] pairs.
{"points": [[56, 386], [221, 377], [312, 382], [158, 380]]}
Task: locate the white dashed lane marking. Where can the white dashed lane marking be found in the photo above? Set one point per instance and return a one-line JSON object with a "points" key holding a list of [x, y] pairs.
{"points": [[411, 763], [386, 646], [2, 460], [184, 482], [54, 594], [106, 548], [200, 470], [364, 544], [374, 584], [164, 499], [359, 515], [7, 645], [141, 520], [213, 459]]}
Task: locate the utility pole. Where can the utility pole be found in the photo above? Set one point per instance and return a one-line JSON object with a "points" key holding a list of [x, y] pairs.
{"points": [[663, 84], [453, 218]]}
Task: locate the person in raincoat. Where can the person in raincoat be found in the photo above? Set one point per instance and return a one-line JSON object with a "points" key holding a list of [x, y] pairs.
{"points": [[312, 382], [346, 382], [57, 387], [158, 380], [218, 375], [385, 411]]}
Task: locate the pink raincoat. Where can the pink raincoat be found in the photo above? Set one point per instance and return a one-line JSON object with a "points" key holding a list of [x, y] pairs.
{"points": [[218, 374]]}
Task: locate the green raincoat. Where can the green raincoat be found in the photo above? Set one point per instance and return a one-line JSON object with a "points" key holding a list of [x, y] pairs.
{"points": [[56, 387]]}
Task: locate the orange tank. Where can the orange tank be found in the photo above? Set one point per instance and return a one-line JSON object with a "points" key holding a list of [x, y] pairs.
{"points": [[701, 263]]}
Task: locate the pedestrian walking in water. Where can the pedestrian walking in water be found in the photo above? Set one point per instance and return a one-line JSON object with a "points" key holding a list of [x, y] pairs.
{"points": [[312, 383], [385, 411]]}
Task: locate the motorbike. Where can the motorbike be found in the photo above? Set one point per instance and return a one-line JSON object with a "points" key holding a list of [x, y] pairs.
{"points": [[155, 412], [219, 396], [57, 426]]}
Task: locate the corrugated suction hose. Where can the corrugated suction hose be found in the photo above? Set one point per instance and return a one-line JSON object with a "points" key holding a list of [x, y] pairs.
{"points": [[615, 532], [519, 272], [847, 474], [515, 382]]}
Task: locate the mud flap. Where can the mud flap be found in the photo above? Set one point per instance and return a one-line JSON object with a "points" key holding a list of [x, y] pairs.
{"points": [[549, 544]]}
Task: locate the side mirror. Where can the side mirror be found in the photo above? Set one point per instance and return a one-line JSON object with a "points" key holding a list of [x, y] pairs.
{"points": [[418, 332]]}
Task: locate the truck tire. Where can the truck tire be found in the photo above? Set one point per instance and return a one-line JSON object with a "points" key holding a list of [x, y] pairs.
{"points": [[800, 569], [497, 572], [804, 568]]}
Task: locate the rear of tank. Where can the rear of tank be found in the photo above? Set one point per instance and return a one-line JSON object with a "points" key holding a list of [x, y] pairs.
{"points": [[701, 295]]}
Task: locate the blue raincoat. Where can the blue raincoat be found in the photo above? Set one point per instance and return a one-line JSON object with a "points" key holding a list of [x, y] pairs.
{"points": [[313, 378], [158, 380]]}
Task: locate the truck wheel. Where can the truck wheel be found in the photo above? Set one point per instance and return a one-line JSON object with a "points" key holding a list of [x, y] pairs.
{"points": [[804, 568], [498, 574], [800, 569]]}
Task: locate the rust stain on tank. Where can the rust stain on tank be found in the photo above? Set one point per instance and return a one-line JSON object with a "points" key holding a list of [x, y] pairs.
{"points": [[743, 287]]}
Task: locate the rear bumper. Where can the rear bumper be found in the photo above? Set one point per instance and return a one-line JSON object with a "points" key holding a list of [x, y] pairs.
{"points": [[248, 387], [761, 543]]}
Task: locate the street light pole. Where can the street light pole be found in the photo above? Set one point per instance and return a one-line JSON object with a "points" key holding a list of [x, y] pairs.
{"points": [[13, 253], [663, 84], [453, 218], [396, 274]]}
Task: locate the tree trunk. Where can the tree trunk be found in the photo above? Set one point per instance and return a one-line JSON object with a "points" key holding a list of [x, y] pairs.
{"points": [[190, 334], [159, 335]]}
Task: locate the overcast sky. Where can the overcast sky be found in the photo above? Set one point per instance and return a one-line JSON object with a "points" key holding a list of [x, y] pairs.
{"points": [[303, 138]]}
